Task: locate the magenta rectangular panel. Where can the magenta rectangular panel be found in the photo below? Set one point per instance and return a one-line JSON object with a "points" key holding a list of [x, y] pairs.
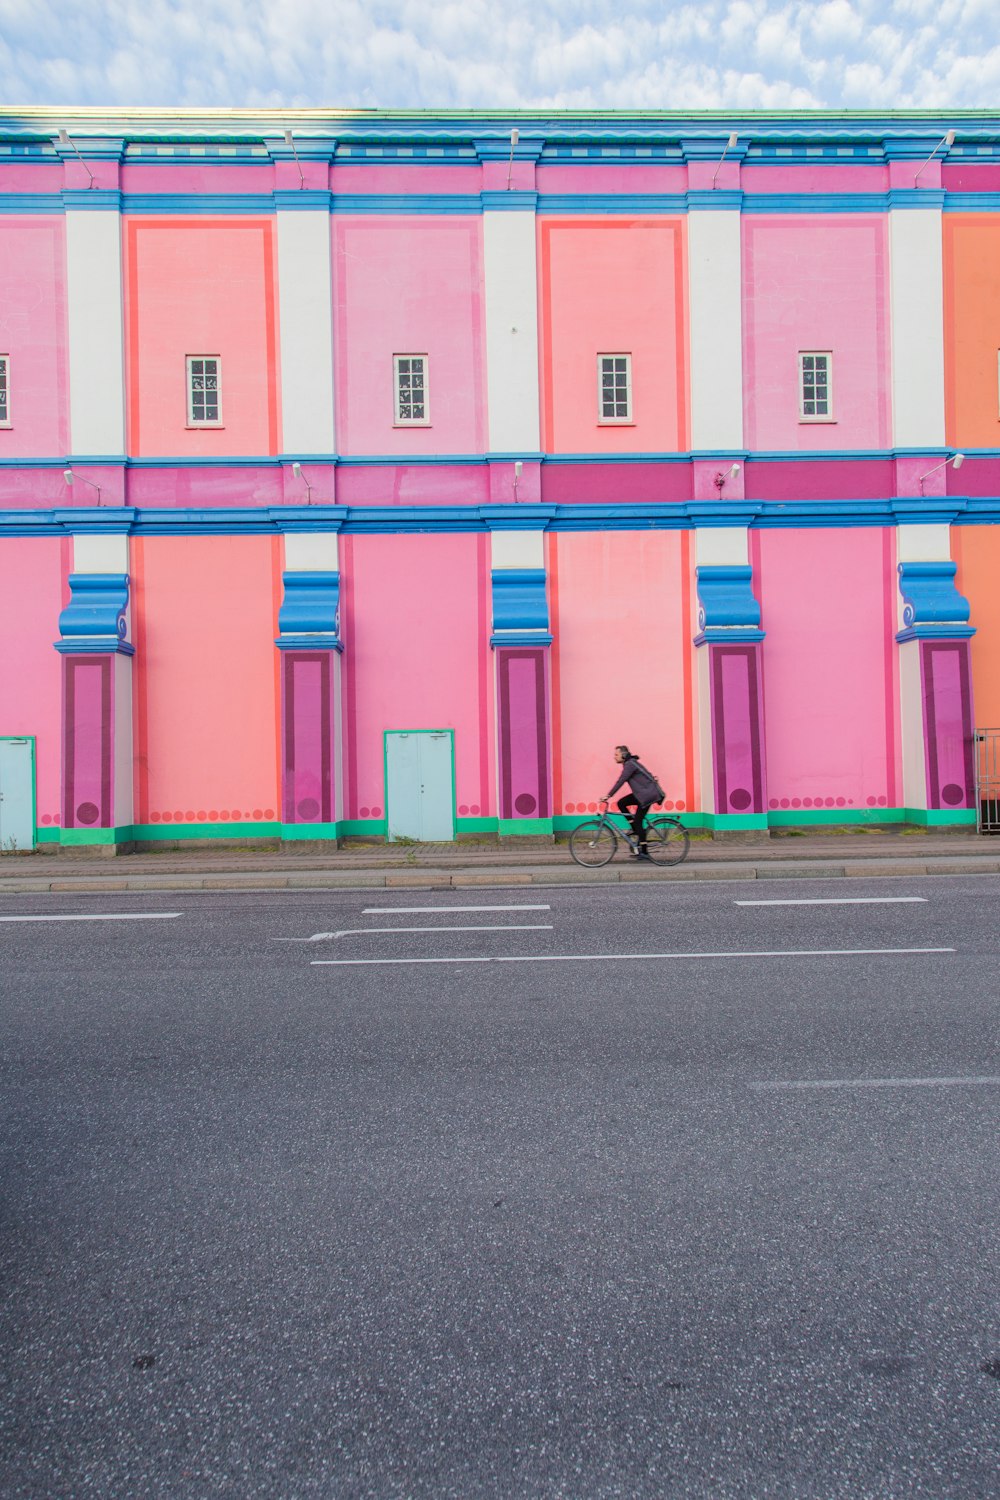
{"points": [[306, 737], [523, 732], [739, 774], [87, 741], [948, 727]]}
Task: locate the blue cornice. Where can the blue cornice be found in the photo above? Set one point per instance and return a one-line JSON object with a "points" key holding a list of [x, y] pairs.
{"points": [[387, 519], [508, 202], [407, 203]]}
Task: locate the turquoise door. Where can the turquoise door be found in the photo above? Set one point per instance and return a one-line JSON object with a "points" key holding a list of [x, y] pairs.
{"points": [[420, 794], [17, 794]]}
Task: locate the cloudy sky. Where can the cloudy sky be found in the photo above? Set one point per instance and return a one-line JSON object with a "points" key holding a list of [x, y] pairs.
{"points": [[612, 54]]}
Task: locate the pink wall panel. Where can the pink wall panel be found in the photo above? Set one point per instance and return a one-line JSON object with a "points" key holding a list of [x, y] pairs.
{"points": [[31, 596], [621, 661], [201, 286], [816, 283], [409, 286], [828, 603], [613, 286], [416, 627], [33, 334], [205, 687]]}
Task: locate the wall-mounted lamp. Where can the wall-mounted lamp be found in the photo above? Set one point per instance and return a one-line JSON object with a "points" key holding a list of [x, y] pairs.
{"points": [[947, 141], [69, 477], [729, 146], [956, 459], [290, 143], [515, 136], [64, 140], [518, 471], [297, 471], [721, 478]]}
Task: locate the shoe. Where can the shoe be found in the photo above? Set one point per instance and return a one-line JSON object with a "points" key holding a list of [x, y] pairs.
{"points": [[642, 854]]}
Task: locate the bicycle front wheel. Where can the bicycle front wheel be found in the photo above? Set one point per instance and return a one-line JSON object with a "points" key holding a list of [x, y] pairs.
{"points": [[667, 841], [593, 844]]}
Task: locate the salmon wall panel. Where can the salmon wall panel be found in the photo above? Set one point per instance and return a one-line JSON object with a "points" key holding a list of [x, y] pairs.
{"points": [[621, 662], [33, 335], [613, 286], [976, 550], [31, 596], [409, 286], [972, 328], [416, 624], [828, 604], [205, 690], [201, 286]]}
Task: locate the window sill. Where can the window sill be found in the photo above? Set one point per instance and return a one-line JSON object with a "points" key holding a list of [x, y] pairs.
{"points": [[204, 427], [615, 422], [817, 421], [412, 424]]}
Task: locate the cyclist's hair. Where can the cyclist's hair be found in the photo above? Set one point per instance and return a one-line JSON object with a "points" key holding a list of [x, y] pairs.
{"points": [[628, 754]]}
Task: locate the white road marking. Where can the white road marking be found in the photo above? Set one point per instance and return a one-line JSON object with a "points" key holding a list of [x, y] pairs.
{"points": [[567, 958], [840, 901], [320, 937], [876, 1083], [99, 916], [392, 911]]}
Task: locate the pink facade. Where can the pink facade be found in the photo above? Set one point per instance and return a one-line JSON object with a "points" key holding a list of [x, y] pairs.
{"points": [[718, 576], [416, 622], [33, 335], [814, 283], [415, 287], [613, 286], [201, 286], [828, 608]]}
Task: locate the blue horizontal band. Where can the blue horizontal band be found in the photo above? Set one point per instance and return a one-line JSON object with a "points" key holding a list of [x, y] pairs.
{"points": [[388, 519]]}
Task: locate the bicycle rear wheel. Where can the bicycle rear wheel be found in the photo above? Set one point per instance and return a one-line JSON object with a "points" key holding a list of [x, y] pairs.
{"points": [[593, 844], [667, 841]]}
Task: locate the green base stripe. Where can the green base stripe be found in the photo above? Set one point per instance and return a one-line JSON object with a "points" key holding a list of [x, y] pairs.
{"points": [[476, 825], [511, 827], [362, 828], [298, 832]]}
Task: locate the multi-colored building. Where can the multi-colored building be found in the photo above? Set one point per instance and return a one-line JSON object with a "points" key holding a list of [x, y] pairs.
{"points": [[368, 473]]}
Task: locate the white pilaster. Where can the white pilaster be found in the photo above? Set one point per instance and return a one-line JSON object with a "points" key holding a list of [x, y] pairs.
{"points": [[511, 287], [312, 552], [305, 318], [721, 547], [917, 320], [518, 549], [716, 330], [96, 338]]}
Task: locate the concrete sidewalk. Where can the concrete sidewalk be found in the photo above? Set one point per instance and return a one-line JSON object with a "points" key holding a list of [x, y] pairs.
{"points": [[436, 866]]}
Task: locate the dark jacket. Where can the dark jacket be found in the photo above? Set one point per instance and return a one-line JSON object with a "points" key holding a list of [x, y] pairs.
{"points": [[641, 783]]}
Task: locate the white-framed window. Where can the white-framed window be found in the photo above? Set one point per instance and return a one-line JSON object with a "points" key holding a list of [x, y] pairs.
{"points": [[815, 385], [614, 388], [4, 390], [411, 388], [204, 390]]}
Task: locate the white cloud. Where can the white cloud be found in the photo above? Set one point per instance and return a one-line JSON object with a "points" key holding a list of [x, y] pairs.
{"points": [[532, 53]]}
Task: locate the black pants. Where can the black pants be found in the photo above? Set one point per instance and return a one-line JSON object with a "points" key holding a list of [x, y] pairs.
{"points": [[626, 806]]}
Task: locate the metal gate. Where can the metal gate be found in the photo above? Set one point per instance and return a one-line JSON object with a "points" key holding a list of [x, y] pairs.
{"points": [[988, 780]]}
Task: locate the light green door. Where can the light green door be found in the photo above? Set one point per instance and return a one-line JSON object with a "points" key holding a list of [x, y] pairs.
{"points": [[420, 792]]}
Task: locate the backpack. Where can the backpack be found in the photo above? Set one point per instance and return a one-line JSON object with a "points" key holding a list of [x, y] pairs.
{"points": [[661, 795]]}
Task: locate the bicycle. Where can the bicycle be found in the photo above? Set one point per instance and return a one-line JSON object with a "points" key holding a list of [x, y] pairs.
{"points": [[595, 842]]}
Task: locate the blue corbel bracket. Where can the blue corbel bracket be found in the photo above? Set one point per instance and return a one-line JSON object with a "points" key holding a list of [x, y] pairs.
{"points": [[309, 616], [727, 609], [95, 618], [933, 609], [520, 607]]}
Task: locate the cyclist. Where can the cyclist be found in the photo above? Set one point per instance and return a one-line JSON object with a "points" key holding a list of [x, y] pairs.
{"points": [[644, 791]]}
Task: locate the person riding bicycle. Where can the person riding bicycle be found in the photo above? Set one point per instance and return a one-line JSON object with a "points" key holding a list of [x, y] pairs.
{"points": [[644, 792]]}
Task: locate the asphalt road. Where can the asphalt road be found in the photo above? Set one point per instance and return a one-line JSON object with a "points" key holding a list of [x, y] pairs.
{"points": [[277, 1222]]}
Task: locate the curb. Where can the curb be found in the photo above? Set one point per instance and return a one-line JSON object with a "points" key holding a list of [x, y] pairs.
{"points": [[548, 875]]}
